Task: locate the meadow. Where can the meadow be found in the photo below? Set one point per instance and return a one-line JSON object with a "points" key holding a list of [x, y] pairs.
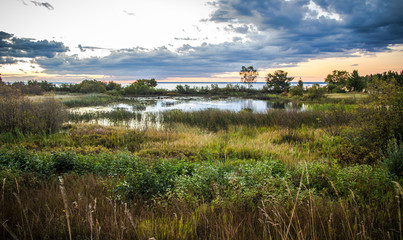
{"points": [[332, 171]]}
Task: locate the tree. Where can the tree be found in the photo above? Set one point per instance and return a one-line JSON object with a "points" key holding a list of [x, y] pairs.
{"points": [[111, 85], [278, 82], [148, 82], [297, 90], [1, 81], [355, 82], [316, 92], [300, 83], [337, 80], [249, 75]]}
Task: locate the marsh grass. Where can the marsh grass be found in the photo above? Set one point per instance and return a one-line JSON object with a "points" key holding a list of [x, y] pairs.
{"points": [[206, 175], [92, 100], [38, 209], [114, 116], [216, 120], [19, 114]]}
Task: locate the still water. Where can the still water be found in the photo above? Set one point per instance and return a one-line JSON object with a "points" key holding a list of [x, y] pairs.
{"points": [[151, 107], [256, 85]]}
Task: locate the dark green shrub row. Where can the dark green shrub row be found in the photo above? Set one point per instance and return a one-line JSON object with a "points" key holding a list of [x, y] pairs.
{"points": [[199, 182]]}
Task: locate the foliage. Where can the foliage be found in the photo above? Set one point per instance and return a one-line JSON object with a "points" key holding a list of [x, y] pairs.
{"points": [[63, 162], [214, 90], [377, 124], [355, 83], [218, 120], [111, 85], [296, 91], [17, 113], [393, 160], [141, 87], [90, 86], [44, 85], [316, 92], [93, 100], [337, 80], [278, 82], [248, 74], [387, 77], [148, 82]]}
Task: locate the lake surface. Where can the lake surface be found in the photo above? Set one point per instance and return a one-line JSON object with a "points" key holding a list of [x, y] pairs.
{"points": [[256, 85], [161, 104]]}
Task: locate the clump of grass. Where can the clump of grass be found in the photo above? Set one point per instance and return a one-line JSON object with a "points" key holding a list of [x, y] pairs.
{"points": [[114, 116], [92, 100], [216, 120]]}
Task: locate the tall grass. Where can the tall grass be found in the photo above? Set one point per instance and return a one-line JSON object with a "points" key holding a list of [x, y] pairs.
{"points": [[114, 116], [237, 206], [93, 100], [216, 120], [17, 113]]}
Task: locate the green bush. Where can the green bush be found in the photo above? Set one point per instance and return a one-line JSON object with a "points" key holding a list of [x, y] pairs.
{"points": [[376, 125], [316, 92], [63, 162], [296, 91], [394, 159]]}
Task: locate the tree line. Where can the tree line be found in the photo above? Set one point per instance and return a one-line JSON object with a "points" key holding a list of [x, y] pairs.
{"points": [[339, 81]]}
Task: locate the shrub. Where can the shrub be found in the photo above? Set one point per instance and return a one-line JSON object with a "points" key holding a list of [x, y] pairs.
{"points": [[63, 162], [17, 113], [296, 91], [376, 125], [394, 159], [316, 92]]}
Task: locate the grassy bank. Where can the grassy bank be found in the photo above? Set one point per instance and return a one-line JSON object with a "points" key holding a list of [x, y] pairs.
{"points": [[121, 196], [332, 171]]}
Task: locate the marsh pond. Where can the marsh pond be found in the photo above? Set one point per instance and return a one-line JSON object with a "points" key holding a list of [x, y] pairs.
{"points": [[148, 111]]}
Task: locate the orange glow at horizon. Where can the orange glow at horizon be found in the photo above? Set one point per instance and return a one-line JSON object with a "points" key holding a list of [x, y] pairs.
{"points": [[313, 70]]}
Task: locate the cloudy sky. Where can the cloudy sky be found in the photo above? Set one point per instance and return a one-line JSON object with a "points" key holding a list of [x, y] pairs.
{"points": [[197, 40]]}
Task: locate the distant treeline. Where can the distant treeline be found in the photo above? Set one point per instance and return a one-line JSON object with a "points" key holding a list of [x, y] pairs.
{"points": [[337, 82]]}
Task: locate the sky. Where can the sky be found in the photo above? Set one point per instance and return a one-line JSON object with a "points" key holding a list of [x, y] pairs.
{"points": [[197, 40]]}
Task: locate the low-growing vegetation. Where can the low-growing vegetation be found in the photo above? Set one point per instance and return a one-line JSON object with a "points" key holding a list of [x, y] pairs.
{"points": [[332, 170]]}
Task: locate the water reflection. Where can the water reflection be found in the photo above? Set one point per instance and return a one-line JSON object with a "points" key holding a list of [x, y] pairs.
{"points": [[149, 108]]}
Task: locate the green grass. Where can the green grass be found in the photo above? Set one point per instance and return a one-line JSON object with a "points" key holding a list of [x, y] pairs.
{"points": [[120, 196], [91, 100], [205, 175]]}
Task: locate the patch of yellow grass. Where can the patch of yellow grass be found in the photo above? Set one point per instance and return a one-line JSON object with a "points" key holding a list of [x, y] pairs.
{"points": [[347, 95]]}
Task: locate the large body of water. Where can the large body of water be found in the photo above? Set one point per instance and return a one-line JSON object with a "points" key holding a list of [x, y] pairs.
{"points": [[172, 85], [256, 85]]}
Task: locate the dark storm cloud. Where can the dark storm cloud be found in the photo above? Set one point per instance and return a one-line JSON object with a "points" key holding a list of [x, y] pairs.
{"points": [[366, 25], [12, 47], [187, 61], [280, 33]]}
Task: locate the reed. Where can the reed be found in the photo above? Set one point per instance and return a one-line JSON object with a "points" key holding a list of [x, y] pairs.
{"points": [[95, 214], [92, 100], [216, 120]]}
